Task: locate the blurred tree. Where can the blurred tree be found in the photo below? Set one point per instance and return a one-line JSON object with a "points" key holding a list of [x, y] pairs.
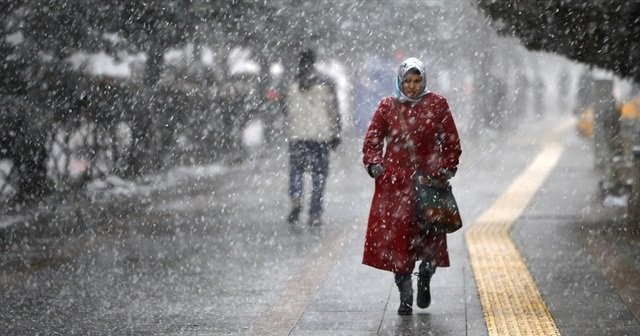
{"points": [[602, 33], [37, 37]]}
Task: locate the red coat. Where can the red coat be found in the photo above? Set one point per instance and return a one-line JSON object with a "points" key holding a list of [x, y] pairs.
{"points": [[393, 242]]}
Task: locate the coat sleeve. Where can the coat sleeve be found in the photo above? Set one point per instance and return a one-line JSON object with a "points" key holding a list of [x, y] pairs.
{"points": [[374, 138], [449, 143], [334, 111], [333, 104]]}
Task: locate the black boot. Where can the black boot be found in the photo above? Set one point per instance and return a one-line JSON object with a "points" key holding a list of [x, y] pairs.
{"points": [[424, 294], [296, 207], [315, 220], [423, 299], [406, 296]]}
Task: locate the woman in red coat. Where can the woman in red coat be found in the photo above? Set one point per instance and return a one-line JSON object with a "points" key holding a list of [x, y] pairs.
{"points": [[393, 240]]}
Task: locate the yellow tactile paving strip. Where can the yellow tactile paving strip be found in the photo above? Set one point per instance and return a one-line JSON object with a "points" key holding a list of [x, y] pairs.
{"points": [[510, 299]]}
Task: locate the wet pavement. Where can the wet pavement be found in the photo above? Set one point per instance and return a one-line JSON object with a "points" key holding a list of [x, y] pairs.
{"points": [[212, 253]]}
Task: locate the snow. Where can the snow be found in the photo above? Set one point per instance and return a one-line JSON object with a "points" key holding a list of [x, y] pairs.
{"points": [[253, 134], [240, 62], [8, 221], [115, 187], [15, 38], [238, 217], [450, 78], [613, 201], [103, 64]]}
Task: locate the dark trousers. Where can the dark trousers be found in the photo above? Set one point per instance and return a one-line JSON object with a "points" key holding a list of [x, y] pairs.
{"points": [[312, 156]]}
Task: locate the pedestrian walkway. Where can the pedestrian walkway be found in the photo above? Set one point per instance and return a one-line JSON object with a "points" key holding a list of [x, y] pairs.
{"points": [[214, 254], [510, 299], [544, 282]]}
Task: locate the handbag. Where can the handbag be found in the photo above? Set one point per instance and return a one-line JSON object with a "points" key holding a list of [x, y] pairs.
{"points": [[436, 206]]}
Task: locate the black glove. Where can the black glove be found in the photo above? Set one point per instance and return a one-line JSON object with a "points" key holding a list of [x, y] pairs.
{"points": [[334, 143], [375, 170], [447, 174]]}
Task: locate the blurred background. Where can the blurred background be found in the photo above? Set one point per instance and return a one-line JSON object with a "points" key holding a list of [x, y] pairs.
{"points": [[127, 89]]}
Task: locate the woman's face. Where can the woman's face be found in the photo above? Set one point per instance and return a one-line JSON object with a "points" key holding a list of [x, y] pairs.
{"points": [[412, 85]]}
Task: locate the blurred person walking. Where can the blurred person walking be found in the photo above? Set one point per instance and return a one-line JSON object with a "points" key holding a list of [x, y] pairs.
{"points": [[393, 240], [312, 120]]}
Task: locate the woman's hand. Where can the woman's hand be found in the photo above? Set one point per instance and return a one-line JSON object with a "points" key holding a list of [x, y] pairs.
{"points": [[375, 170]]}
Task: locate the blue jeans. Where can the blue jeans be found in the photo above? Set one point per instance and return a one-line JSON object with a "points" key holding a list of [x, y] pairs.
{"points": [[310, 156]]}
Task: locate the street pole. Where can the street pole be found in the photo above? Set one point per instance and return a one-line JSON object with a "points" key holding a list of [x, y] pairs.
{"points": [[606, 136], [633, 202]]}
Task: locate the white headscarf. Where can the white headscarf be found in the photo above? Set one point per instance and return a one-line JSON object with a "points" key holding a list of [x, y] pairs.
{"points": [[411, 63]]}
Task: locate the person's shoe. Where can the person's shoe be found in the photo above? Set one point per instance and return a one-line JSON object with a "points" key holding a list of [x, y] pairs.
{"points": [[315, 220], [406, 297], [423, 299], [294, 215]]}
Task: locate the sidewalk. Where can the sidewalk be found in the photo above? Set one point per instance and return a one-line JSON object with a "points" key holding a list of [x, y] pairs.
{"points": [[564, 236], [214, 255], [585, 263]]}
